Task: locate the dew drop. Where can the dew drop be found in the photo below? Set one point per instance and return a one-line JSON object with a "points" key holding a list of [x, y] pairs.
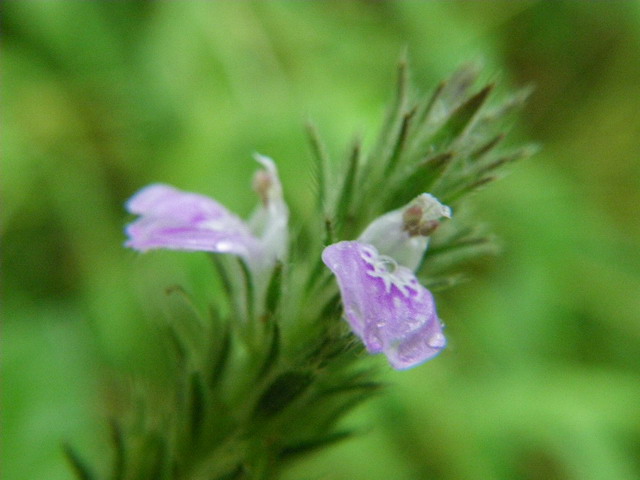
{"points": [[437, 341], [388, 264], [224, 246]]}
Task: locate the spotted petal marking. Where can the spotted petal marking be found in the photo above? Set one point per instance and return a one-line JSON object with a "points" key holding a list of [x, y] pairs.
{"points": [[385, 304]]}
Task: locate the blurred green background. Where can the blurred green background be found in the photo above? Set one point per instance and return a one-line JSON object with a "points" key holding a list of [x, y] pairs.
{"points": [[542, 376]]}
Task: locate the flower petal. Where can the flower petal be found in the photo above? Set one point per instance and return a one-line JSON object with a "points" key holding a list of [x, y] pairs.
{"points": [[385, 305], [178, 220]]}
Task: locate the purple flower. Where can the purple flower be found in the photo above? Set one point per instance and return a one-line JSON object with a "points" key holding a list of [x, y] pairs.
{"points": [[385, 305], [177, 220]]}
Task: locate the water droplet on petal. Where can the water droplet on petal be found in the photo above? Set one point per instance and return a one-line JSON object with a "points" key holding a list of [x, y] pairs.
{"points": [[437, 341], [224, 246], [387, 264]]}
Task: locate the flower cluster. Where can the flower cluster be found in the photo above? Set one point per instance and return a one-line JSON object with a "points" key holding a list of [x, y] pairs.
{"points": [[383, 302], [264, 375]]}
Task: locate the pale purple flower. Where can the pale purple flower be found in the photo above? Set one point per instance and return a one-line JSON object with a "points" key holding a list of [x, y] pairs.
{"points": [[177, 220], [385, 304]]}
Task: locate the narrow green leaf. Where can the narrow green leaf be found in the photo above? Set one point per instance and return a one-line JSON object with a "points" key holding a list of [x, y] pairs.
{"points": [[439, 284], [225, 278], [286, 388], [176, 291], [450, 234], [506, 159], [496, 164], [80, 468], [343, 206], [221, 356], [183, 310], [329, 232], [117, 439], [513, 103], [316, 272], [336, 349], [247, 278], [402, 84], [460, 119], [486, 148], [274, 291], [236, 474], [394, 112], [434, 167], [345, 406], [391, 123], [176, 344], [311, 445], [354, 387], [452, 256], [319, 267], [159, 458], [454, 195], [331, 309], [321, 162], [197, 409], [424, 114], [457, 243], [457, 86], [273, 353], [400, 142], [424, 175]]}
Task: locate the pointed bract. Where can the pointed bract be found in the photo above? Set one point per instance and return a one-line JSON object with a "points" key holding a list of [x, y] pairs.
{"points": [[385, 305]]}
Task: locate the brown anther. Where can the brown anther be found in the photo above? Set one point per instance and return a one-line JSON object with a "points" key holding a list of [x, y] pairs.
{"points": [[428, 227], [412, 215], [262, 183], [411, 219]]}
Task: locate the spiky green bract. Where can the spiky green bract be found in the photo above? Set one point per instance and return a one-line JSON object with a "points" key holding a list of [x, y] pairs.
{"points": [[448, 143], [235, 406], [255, 383]]}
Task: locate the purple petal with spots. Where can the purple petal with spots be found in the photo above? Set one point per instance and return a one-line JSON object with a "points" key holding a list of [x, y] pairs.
{"points": [[385, 305], [177, 220]]}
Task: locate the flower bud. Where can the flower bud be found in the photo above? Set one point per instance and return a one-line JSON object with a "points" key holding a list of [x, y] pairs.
{"points": [[403, 234]]}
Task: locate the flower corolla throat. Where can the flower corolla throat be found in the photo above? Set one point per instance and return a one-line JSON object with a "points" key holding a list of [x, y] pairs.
{"points": [[403, 234]]}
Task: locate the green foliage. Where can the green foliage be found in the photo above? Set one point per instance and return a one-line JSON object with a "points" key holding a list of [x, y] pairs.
{"points": [[98, 100], [80, 469]]}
